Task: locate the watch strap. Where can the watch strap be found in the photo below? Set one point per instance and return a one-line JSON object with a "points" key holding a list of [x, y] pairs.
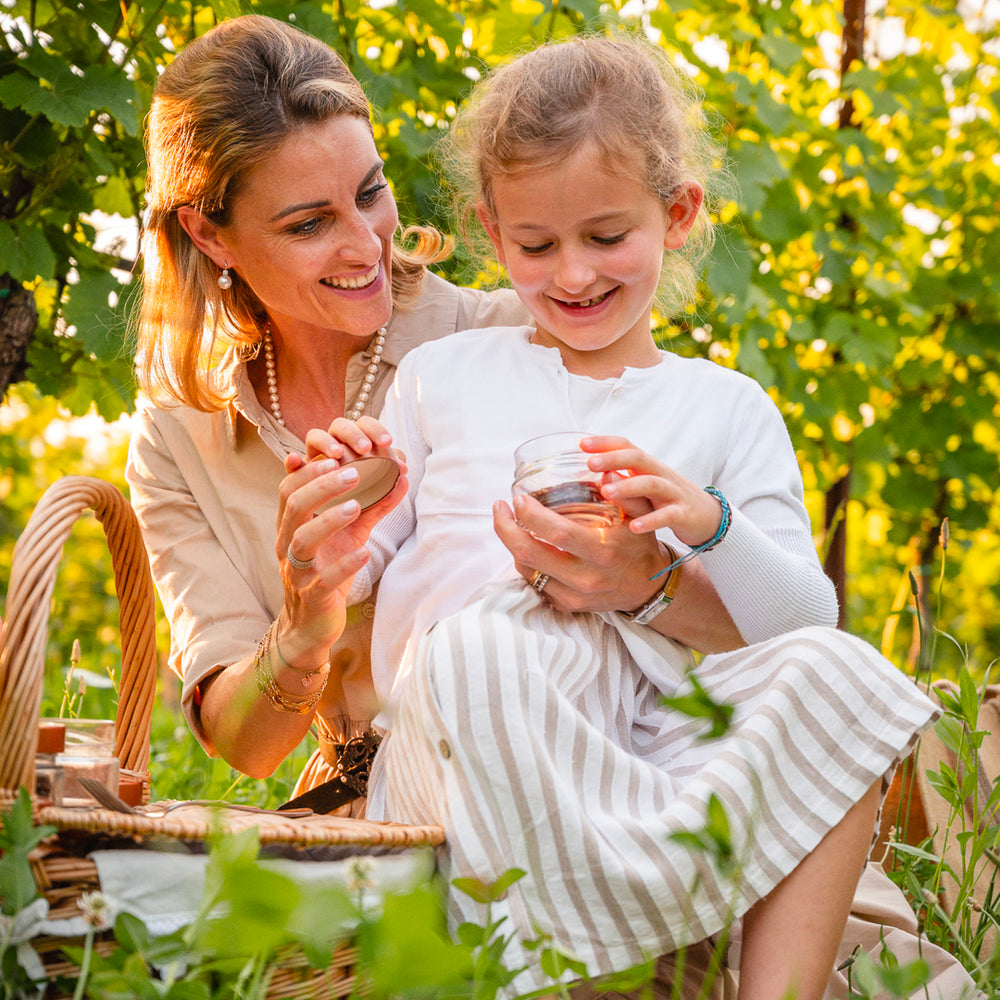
{"points": [[659, 602]]}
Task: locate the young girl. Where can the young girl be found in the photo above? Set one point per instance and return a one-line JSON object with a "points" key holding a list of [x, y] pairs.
{"points": [[538, 738]]}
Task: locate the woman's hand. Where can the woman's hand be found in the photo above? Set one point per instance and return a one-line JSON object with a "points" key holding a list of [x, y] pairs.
{"points": [[613, 569], [589, 569], [321, 543]]}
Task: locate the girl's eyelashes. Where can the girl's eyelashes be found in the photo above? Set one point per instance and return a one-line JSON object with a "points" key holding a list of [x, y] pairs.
{"points": [[604, 241], [534, 249]]}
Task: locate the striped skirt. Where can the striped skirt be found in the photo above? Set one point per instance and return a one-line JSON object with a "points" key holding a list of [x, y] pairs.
{"points": [[539, 741]]}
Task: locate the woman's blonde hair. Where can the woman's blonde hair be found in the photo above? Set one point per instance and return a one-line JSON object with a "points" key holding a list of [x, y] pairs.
{"points": [[621, 93], [226, 103]]}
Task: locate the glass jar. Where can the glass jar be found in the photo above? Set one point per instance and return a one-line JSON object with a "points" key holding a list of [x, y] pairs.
{"points": [[552, 469], [50, 779], [89, 753], [49, 775]]}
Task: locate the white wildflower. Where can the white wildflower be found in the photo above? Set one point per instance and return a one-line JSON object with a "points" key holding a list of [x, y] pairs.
{"points": [[96, 909]]}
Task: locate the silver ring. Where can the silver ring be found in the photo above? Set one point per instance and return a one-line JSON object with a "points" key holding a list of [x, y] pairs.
{"points": [[298, 563], [539, 580]]}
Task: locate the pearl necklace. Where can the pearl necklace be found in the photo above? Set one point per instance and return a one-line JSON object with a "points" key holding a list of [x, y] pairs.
{"points": [[272, 375], [360, 402]]}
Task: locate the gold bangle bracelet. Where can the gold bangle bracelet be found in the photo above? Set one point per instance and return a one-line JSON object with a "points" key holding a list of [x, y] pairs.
{"points": [[280, 700], [305, 676]]}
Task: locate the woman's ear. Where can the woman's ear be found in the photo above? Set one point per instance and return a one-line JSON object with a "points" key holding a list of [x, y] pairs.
{"points": [[204, 235], [489, 223], [681, 213]]}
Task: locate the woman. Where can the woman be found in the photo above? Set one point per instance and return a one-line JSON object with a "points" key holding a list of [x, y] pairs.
{"points": [[270, 274], [270, 271]]}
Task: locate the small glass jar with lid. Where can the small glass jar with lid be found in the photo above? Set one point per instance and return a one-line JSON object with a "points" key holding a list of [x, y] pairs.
{"points": [[89, 753], [49, 774]]}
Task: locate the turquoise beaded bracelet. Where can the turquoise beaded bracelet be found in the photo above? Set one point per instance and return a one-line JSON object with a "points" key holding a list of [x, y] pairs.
{"points": [[727, 520]]}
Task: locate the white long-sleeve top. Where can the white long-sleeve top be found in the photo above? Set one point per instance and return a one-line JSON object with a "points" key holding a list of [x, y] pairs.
{"points": [[459, 408]]}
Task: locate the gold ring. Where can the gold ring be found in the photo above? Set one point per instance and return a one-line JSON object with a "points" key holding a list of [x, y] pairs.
{"points": [[539, 580]]}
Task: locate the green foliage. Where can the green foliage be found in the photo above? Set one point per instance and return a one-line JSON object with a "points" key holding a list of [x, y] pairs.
{"points": [[251, 919], [972, 918], [19, 896], [699, 704], [853, 274], [18, 836], [887, 979], [854, 279], [69, 129]]}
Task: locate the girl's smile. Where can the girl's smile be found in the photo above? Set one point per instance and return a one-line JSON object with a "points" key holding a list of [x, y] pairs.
{"points": [[589, 304]]}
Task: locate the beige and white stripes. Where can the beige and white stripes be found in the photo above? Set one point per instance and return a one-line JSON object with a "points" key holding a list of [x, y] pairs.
{"points": [[538, 740]]}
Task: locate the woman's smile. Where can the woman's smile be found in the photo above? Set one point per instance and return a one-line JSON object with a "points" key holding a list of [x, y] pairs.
{"points": [[354, 281]]}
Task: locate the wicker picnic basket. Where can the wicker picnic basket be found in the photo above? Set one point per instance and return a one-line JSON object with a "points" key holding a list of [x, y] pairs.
{"points": [[63, 870]]}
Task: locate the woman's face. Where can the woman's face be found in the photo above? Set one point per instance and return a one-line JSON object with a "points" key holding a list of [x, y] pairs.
{"points": [[311, 230]]}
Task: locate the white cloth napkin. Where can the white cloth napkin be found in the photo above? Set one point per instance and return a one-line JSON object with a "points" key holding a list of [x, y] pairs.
{"points": [[165, 890]]}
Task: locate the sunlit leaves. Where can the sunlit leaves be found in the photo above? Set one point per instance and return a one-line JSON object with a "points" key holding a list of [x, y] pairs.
{"points": [[846, 245], [70, 109], [25, 253]]}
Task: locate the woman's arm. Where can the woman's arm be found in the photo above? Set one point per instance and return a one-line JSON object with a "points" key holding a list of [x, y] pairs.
{"points": [[254, 729], [612, 570], [208, 518]]}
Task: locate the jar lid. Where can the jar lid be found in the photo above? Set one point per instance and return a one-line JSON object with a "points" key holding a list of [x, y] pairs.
{"points": [[51, 736], [130, 789], [376, 478]]}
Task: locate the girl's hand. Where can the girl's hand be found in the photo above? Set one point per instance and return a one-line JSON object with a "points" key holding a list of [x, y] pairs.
{"points": [[615, 569], [348, 440], [672, 501]]}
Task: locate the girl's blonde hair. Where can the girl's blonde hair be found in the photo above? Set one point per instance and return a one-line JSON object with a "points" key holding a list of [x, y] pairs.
{"points": [[225, 104], [621, 93]]}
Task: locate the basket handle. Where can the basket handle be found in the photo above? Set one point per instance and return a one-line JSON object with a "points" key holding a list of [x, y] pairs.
{"points": [[25, 630]]}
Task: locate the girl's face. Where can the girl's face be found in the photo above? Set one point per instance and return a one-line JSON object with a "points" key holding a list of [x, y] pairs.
{"points": [[583, 248], [311, 231]]}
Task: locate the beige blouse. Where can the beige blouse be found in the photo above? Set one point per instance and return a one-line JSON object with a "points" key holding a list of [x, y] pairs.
{"points": [[205, 489]]}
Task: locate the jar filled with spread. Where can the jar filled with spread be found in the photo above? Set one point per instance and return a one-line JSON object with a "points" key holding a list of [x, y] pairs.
{"points": [[49, 774]]}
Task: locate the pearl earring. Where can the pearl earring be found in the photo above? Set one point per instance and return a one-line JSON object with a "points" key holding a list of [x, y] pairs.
{"points": [[225, 282]]}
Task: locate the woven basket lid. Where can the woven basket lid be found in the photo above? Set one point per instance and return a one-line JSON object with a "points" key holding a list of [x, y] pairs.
{"points": [[194, 821]]}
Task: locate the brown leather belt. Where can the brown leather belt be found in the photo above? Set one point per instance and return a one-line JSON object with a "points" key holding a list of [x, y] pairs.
{"points": [[353, 759]]}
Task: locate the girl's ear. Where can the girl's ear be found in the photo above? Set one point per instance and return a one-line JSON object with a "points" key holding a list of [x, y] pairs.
{"points": [[204, 235], [681, 213], [489, 223]]}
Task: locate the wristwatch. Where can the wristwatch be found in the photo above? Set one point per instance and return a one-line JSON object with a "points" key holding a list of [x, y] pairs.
{"points": [[660, 601]]}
